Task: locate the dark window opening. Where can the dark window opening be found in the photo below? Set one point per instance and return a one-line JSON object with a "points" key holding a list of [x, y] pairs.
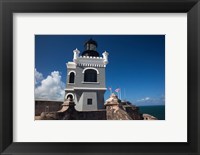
{"points": [[90, 75], [89, 101], [70, 96], [71, 77]]}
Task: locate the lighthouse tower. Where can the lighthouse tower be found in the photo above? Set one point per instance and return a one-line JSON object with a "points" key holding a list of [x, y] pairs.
{"points": [[86, 78]]}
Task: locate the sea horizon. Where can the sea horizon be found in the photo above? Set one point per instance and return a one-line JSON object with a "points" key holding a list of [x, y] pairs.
{"points": [[157, 111]]}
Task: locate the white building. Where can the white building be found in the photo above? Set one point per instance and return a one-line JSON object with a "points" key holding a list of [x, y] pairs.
{"points": [[86, 78]]}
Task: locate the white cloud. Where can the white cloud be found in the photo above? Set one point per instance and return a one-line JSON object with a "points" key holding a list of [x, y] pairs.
{"points": [[144, 99], [38, 77], [151, 101], [51, 88]]}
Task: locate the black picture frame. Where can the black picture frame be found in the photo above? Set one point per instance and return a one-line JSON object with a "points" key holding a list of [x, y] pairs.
{"points": [[8, 7]]}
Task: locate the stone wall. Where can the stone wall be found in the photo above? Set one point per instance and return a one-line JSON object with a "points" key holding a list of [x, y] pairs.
{"points": [[115, 110], [68, 112], [82, 115], [46, 106], [65, 111], [132, 111], [149, 117]]}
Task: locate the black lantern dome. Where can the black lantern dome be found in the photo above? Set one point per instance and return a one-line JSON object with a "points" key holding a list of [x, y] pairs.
{"points": [[90, 48]]}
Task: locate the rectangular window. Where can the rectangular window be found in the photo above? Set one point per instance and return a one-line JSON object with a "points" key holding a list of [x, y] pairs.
{"points": [[89, 101]]}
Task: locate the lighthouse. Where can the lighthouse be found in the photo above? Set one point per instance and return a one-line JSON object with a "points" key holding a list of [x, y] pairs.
{"points": [[85, 83]]}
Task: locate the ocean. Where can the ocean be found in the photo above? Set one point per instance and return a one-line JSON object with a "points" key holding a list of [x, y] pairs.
{"points": [[157, 111]]}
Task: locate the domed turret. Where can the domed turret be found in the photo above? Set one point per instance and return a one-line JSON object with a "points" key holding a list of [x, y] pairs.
{"points": [[90, 48]]}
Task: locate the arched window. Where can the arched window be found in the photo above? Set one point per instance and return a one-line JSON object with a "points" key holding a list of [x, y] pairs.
{"points": [[90, 75], [70, 96], [71, 77]]}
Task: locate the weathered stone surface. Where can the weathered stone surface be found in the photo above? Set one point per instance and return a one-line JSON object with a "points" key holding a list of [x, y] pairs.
{"points": [[114, 113], [46, 106], [68, 112], [132, 111], [113, 100], [149, 117], [115, 110], [48, 116]]}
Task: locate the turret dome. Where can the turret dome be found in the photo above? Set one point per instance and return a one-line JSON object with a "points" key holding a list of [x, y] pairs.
{"points": [[90, 48]]}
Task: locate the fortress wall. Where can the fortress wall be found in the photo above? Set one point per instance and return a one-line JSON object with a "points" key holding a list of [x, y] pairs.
{"points": [[46, 106], [92, 115]]}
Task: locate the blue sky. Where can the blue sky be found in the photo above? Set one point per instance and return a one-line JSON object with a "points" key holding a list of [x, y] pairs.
{"points": [[136, 64]]}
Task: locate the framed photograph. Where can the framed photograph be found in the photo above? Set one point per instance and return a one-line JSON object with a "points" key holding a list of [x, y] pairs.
{"points": [[86, 95], [99, 77]]}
